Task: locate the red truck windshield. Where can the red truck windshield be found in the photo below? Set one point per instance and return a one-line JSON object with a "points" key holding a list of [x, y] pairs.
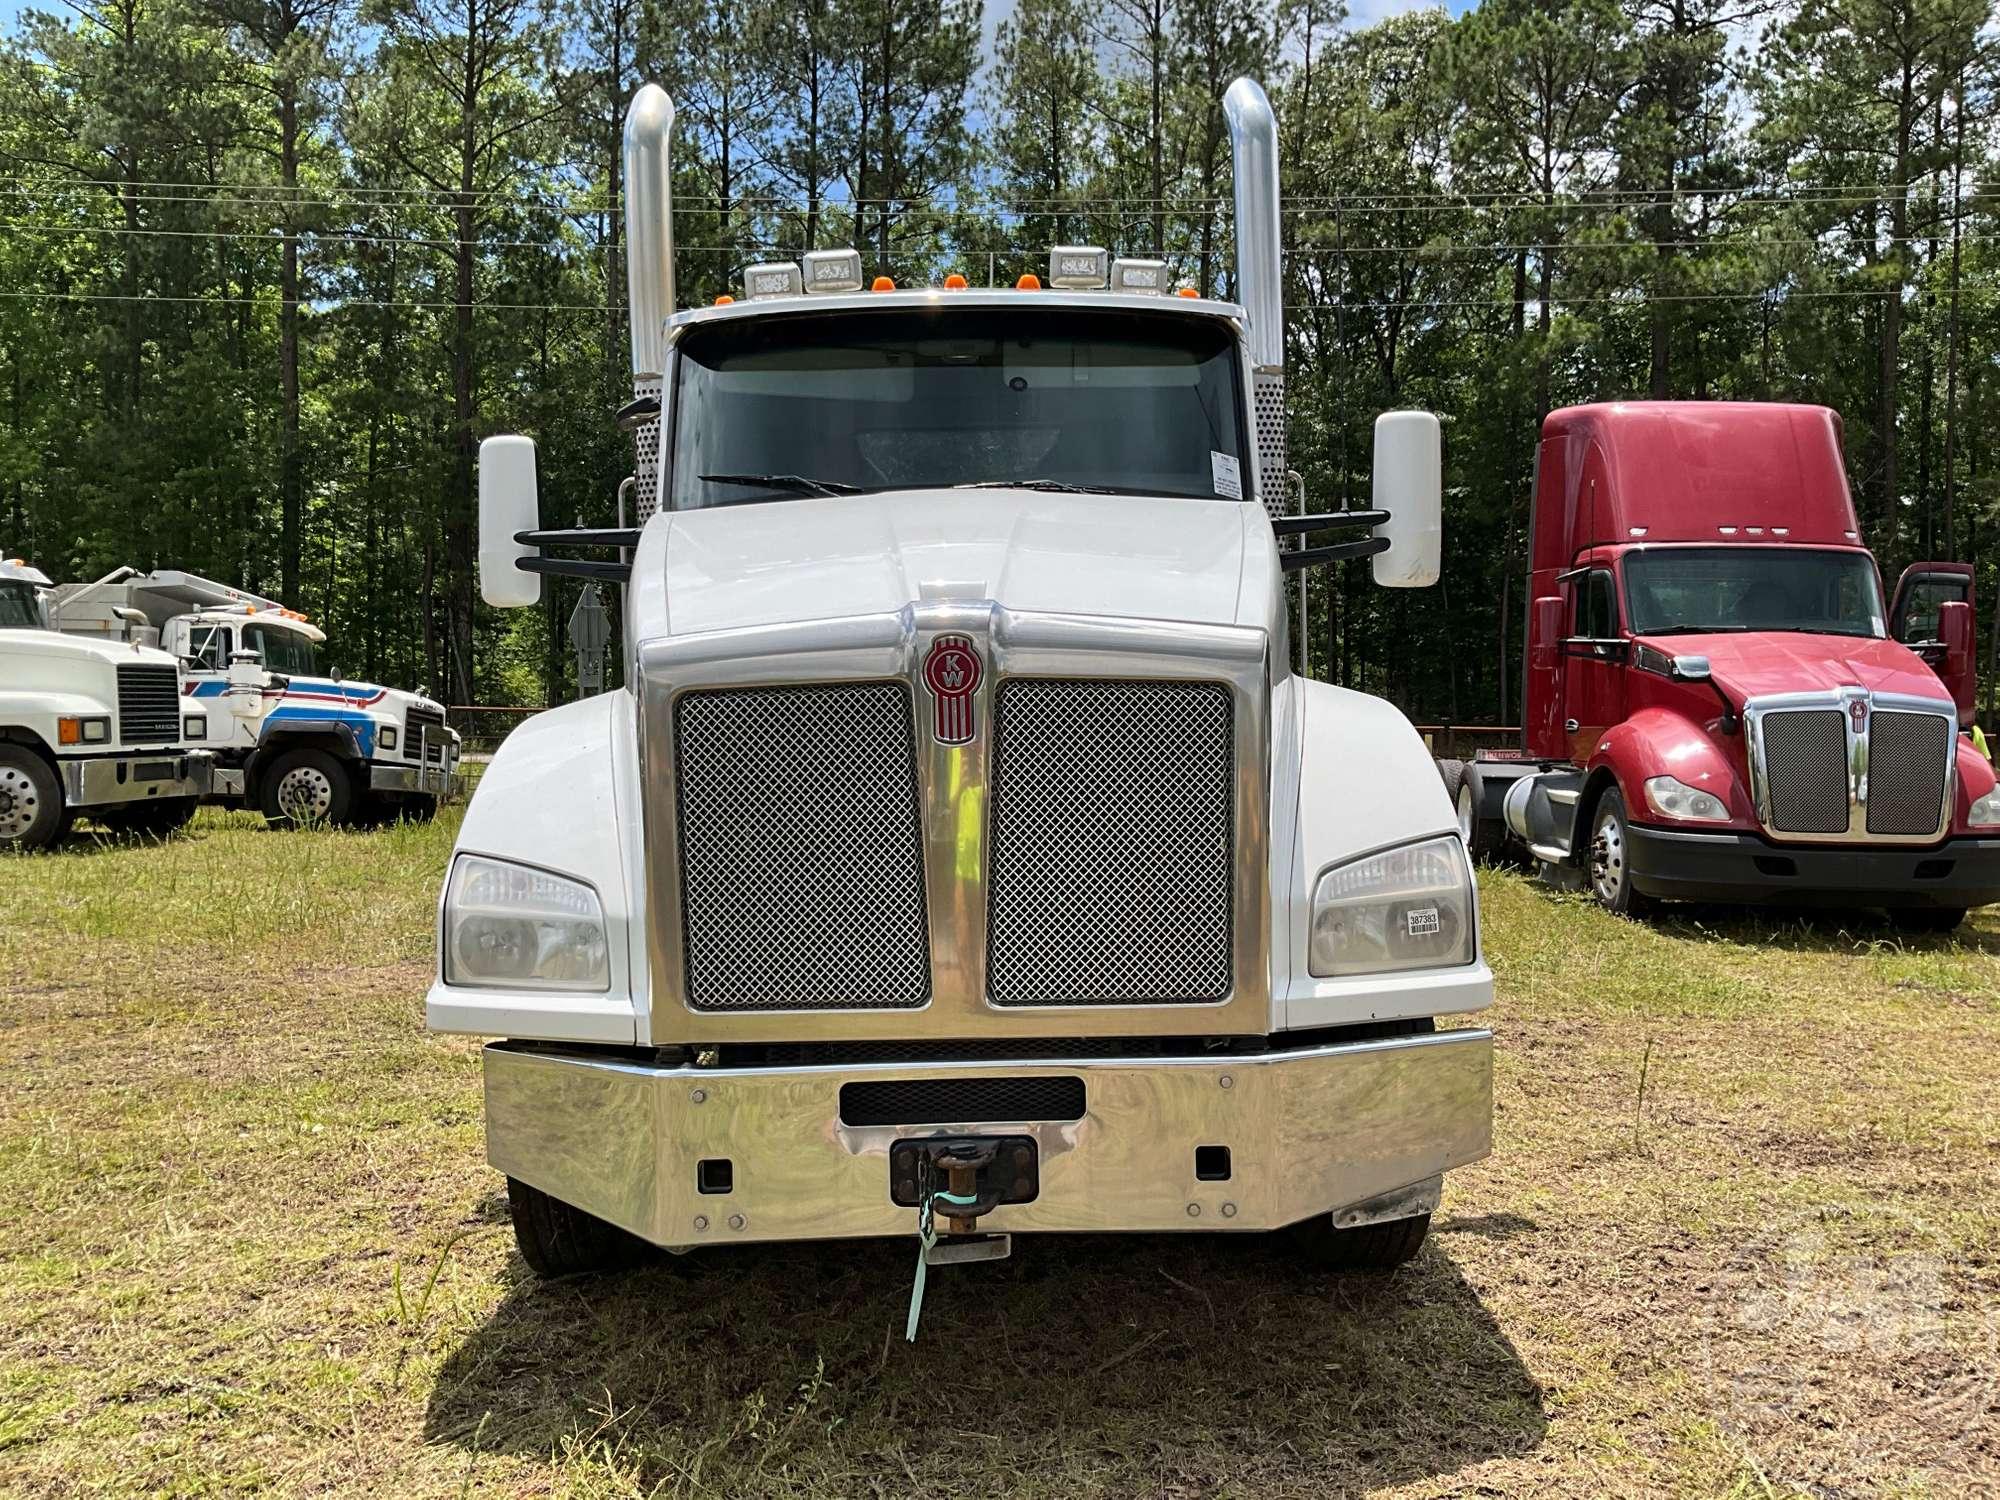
{"points": [[907, 398], [1696, 590]]}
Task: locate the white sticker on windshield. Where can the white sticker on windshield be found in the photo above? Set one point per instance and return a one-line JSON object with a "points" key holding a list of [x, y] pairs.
{"points": [[1228, 474]]}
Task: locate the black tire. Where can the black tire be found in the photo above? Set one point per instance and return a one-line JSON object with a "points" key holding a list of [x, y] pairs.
{"points": [[156, 820], [1917, 919], [1371, 1249], [1608, 866], [419, 809], [558, 1240], [1485, 838], [32, 815], [305, 786]]}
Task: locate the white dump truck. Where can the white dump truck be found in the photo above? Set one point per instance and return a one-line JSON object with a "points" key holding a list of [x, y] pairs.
{"points": [[91, 727], [964, 858], [291, 739]]}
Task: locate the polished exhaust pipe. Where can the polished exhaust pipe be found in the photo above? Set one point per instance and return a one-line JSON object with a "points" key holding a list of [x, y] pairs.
{"points": [[649, 272], [1253, 149]]}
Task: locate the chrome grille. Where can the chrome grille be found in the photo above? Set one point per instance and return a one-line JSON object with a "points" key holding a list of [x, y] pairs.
{"points": [[1908, 757], [418, 723], [1109, 865], [802, 877], [149, 705], [1805, 768]]}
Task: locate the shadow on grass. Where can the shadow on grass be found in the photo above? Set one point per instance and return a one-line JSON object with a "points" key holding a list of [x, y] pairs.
{"points": [[1808, 929], [1162, 1364]]}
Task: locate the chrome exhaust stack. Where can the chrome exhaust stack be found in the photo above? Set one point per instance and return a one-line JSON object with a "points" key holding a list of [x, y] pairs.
{"points": [[649, 269], [1260, 286]]}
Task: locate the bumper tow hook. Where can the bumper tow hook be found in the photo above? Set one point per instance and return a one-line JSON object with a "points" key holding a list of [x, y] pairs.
{"points": [[964, 1201]]}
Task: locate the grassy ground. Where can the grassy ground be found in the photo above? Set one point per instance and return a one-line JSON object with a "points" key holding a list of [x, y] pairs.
{"points": [[1740, 1235]]}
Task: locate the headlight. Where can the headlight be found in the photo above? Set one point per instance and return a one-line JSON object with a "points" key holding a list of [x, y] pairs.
{"points": [[386, 736], [507, 924], [1673, 798], [1986, 811], [194, 727], [80, 731], [1407, 908]]}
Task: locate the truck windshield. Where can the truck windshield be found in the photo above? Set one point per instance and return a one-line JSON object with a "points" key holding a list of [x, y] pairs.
{"points": [[1113, 401], [21, 607], [1691, 590], [284, 651]]}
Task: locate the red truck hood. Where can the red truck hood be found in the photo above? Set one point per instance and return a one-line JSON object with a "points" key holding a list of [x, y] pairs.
{"points": [[1750, 665]]}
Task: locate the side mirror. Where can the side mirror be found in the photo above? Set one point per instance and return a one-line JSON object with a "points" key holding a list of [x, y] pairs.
{"points": [[1691, 669], [1548, 630], [1960, 673], [1409, 485], [509, 502]]}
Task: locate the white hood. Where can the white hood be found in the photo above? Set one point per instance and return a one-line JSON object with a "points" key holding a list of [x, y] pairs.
{"points": [[785, 562]]}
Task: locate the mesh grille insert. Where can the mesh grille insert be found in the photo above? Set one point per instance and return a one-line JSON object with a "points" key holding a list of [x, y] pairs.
{"points": [[1109, 872], [802, 884], [1907, 758], [961, 1101], [1805, 768]]}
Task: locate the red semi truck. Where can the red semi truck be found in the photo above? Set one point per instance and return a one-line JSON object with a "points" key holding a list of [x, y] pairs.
{"points": [[1718, 707]]}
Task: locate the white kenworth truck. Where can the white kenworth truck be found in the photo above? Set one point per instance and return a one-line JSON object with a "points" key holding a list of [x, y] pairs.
{"points": [[87, 727], [964, 859], [291, 740]]}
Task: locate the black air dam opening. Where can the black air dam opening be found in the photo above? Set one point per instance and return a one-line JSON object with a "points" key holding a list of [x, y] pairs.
{"points": [[961, 1101]]}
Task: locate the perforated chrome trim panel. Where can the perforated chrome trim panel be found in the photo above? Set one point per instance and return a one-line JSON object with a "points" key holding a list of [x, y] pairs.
{"points": [[1805, 763], [1109, 874], [1907, 759], [802, 880], [646, 494], [1268, 388]]}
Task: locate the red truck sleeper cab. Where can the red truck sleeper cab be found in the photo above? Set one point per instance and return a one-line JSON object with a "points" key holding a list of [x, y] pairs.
{"points": [[1717, 704]]}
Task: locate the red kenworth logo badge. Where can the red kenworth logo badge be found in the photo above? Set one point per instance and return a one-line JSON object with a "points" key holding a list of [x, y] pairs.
{"points": [[1859, 712], [951, 672]]}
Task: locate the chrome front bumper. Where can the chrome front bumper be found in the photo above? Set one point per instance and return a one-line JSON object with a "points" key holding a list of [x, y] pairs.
{"points": [[1310, 1131], [104, 781], [427, 781]]}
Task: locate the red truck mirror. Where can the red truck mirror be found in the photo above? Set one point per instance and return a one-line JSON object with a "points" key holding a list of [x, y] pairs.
{"points": [[1957, 670], [1548, 629]]}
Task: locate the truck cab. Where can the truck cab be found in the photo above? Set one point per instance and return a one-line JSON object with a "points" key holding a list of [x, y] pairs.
{"points": [[1720, 702], [90, 728], [291, 738], [964, 857]]}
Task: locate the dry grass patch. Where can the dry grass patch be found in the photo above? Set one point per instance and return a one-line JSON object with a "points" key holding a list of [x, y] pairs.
{"points": [[248, 1241]]}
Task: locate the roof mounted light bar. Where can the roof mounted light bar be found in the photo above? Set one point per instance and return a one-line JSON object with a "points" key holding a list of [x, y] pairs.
{"points": [[1144, 278], [833, 271], [775, 279], [1079, 268]]}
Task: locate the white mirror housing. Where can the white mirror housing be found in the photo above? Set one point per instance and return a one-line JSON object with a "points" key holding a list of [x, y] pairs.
{"points": [[508, 502], [1409, 485]]}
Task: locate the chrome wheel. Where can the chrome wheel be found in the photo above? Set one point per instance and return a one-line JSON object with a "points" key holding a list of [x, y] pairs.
{"points": [[1607, 857], [305, 794], [19, 803], [1466, 815]]}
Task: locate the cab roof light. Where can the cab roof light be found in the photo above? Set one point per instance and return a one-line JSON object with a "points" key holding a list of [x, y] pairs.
{"points": [[775, 279], [833, 271], [1145, 278], [725, 300], [1187, 291], [882, 284], [1029, 283], [955, 282], [1079, 268]]}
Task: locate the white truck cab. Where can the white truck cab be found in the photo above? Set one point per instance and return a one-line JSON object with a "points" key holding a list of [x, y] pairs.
{"points": [[964, 857], [291, 739], [90, 727]]}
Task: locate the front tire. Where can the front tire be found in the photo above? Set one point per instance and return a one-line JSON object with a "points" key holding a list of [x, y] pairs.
{"points": [[32, 815], [1367, 1249], [1611, 858], [305, 786], [556, 1239]]}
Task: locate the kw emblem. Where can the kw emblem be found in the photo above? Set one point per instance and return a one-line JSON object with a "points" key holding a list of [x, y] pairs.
{"points": [[951, 672]]}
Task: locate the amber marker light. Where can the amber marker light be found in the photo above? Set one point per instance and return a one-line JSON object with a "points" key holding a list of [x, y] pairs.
{"points": [[882, 284], [1029, 283], [955, 282], [725, 300], [1187, 291]]}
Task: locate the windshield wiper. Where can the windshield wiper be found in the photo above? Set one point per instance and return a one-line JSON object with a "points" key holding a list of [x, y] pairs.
{"points": [[796, 484], [1698, 629], [1052, 486]]}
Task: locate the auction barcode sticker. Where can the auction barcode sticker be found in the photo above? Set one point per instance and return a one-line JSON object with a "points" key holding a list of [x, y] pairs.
{"points": [[1423, 921], [1228, 474]]}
